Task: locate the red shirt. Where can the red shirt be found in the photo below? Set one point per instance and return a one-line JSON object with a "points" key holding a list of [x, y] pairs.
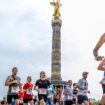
{"points": [[28, 90], [20, 93], [20, 101]]}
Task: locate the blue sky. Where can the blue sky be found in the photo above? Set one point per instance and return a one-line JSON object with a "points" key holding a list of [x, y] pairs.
{"points": [[26, 36]]}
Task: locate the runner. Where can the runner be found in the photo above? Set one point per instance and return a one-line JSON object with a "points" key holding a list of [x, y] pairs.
{"points": [[51, 91], [68, 94], [35, 101], [83, 90], [20, 94], [27, 89], [100, 58], [13, 81], [56, 98], [75, 92], [42, 86]]}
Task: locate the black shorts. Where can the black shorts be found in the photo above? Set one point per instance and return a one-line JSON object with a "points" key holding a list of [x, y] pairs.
{"points": [[55, 100], [81, 99], [27, 100], [34, 101], [69, 102], [74, 100], [9, 98], [42, 96]]}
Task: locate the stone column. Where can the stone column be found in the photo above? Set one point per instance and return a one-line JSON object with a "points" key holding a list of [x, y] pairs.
{"points": [[56, 50]]}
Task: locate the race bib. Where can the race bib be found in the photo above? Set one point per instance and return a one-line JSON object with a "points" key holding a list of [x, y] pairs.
{"points": [[43, 91], [14, 89], [29, 91]]}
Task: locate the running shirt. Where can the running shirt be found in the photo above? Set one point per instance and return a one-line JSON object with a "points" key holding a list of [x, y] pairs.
{"points": [[42, 86], [83, 83], [14, 88], [20, 94], [75, 91], [28, 91], [68, 90]]}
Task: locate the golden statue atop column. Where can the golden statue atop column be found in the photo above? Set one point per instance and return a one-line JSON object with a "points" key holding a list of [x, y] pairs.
{"points": [[56, 4]]}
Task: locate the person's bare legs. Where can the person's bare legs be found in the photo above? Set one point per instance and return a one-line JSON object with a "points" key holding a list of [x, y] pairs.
{"points": [[31, 102], [25, 103], [16, 102]]}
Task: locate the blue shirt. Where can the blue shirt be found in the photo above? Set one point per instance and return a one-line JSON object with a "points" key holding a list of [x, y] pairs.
{"points": [[68, 90]]}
